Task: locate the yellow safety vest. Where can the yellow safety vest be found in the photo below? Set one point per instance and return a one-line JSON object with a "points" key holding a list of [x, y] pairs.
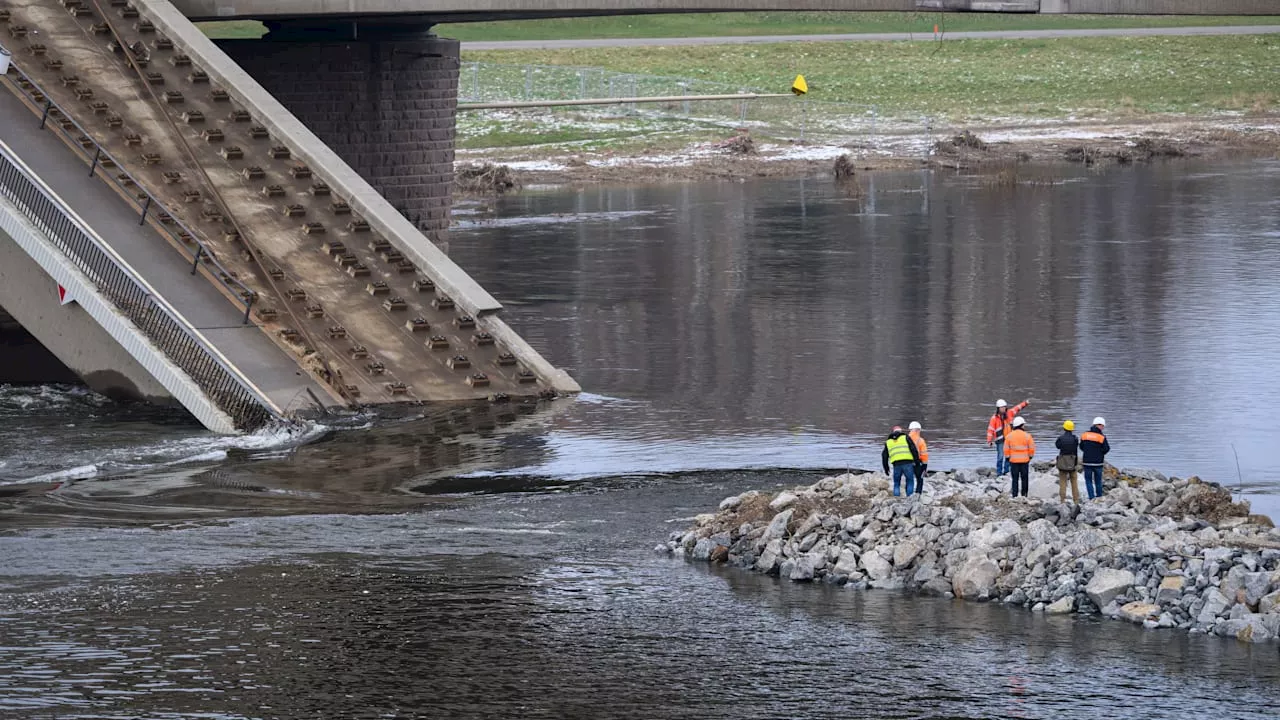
{"points": [[899, 450]]}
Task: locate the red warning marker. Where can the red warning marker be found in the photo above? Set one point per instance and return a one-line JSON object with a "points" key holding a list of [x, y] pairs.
{"points": [[63, 297]]}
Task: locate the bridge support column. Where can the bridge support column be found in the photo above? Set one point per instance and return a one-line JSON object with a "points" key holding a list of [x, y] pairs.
{"points": [[382, 96]]}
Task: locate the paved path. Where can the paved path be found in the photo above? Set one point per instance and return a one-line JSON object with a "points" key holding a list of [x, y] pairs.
{"points": [[870, 37], [152, 257]]}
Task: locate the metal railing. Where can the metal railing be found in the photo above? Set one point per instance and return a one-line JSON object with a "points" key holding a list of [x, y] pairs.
{"points": [[129, 188], [132, 297]]}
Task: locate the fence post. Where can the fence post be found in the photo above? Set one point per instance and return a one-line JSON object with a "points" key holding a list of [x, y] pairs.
{"points": [[582, 85], [93, 168], [528, 81], [475, 81], [196, 265], [804, 117], [145, 207], [47, 107]]}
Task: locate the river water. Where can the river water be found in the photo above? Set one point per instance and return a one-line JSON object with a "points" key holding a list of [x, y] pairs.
{"points": [[496, 562]]}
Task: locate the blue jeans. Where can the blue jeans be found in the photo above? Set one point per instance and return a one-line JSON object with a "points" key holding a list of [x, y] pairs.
{"points": [[1093, 480], [900, 470], [1002, 465]]}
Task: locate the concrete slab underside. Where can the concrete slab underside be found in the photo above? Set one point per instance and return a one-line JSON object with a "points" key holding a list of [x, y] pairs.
{"points": [[485, 10], [24, 361], [245, 346]]}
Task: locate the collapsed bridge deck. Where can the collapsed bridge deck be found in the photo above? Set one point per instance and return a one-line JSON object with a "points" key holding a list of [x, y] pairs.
{"points": [[337, 279]]}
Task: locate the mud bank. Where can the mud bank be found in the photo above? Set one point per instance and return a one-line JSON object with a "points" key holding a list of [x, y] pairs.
{"points": [[993, 148], [1160, 552]]}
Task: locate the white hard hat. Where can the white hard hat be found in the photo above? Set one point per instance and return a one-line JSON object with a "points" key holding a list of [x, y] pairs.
{"points": [[1019, 421], [1001, 403], [1099, 421], [915, 425]]}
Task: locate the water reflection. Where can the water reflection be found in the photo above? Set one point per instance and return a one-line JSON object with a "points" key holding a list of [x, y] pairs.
{"points": [[753, 310]]}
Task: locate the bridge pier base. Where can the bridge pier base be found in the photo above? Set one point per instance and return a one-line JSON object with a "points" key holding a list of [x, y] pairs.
{"points": [[383, 96]]}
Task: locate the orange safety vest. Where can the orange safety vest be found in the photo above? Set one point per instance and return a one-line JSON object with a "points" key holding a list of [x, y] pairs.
{"points": [[1093, 436], [1019, 447], [921, 448], [999, 425]]}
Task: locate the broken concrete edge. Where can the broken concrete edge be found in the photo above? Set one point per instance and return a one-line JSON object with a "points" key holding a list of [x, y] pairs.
{"points": [[152, 359], [554, 377], [324, 162]]}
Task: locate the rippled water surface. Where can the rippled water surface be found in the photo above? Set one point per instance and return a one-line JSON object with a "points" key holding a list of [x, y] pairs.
{"points": [[496, 562]]}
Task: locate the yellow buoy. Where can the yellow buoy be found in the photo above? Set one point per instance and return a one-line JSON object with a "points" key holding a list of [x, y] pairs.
{"points": [[800, 87]]}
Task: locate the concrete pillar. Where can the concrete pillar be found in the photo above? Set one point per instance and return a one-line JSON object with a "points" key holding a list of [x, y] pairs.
{"points": [[383, 96]]}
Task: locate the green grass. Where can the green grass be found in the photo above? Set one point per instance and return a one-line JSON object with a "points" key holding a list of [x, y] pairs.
{"points": [[233, 29], [778, 23], [967, 79]]}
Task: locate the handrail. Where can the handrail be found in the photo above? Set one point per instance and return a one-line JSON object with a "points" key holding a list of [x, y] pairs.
{"points": [[201, 254], [133, 297]]}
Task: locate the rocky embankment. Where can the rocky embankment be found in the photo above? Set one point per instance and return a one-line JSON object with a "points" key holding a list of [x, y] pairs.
{"points": [[1162, 552]]}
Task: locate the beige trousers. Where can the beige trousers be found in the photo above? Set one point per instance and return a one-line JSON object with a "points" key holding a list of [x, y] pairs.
{"points": [[1062, 487]]}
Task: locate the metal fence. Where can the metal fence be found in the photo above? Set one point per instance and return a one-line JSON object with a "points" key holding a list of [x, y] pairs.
{"points": [[791, 118], [176, 338], [146, 204]]}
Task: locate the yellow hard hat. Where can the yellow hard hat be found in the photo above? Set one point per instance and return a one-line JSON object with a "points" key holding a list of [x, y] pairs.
{"points": [[1068, 425]]}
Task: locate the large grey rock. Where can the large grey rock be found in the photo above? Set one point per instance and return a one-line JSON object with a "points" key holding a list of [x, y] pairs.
{"points": [[848, 562], [1039, 556], [1218, 555], [702, 550], [906, 552], [1106, 584], [731, 502], [1062, 606], [1215, 603], [976, 578], [1256, 585], [770, 558], [1170, 589], [810, 524], [802, 570], [784, 500], [875, 566], [854, 523], [937, 586], [1269, 603], [1139, 612], [998, 534], [1234, 581], [1250, 628], [778, 525], [924, 574]]}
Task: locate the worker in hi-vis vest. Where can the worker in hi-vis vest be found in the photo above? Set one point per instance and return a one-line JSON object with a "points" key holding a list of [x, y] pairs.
{"points": [[1019, 449], [900, 453]]}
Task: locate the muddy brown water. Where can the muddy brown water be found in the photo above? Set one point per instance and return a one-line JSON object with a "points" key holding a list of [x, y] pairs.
{"points": [[730, 336]]}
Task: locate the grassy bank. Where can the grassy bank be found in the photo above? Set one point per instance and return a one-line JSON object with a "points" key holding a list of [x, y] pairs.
{"points": [[776, 23], [975, 79]]}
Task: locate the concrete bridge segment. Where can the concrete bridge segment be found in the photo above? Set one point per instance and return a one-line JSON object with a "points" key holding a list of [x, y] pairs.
{"points": [[441, 11]]}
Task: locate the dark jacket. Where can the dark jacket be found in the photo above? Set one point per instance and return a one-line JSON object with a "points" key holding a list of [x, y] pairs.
{"points": [[884, 451], [1068, 443], [1092, 451]]}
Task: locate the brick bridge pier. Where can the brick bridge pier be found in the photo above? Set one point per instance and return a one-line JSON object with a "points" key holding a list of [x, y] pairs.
{"points": [[381, 92]]}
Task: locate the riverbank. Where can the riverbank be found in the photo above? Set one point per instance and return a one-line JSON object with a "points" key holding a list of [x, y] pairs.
{"points": [[1012, 152], [1160, 552]]}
